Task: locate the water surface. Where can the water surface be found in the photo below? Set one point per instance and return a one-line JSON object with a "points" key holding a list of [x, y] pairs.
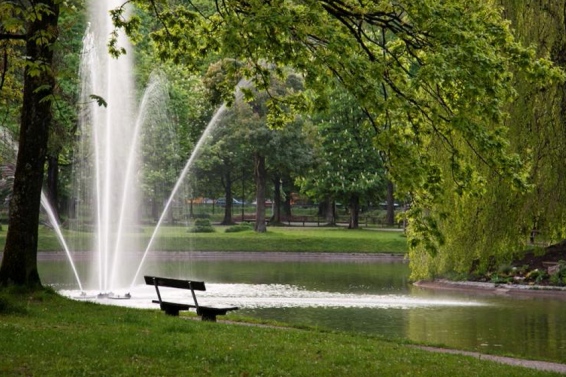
{"points": [[364, 296]]}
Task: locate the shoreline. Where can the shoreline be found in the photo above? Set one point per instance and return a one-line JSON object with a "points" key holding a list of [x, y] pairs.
{"points": [[509, 290], [275, 256]]}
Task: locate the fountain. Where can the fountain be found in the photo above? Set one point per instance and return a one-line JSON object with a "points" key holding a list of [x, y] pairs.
{"points": [[107, 193], [107, 163]]}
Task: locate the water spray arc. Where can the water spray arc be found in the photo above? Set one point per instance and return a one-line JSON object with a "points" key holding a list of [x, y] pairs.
{"points": [[108, 161], [189, 164], [56, 226]]}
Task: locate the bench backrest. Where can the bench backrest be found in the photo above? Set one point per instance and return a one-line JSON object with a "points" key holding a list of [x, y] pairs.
{"points": [[175, 283]]}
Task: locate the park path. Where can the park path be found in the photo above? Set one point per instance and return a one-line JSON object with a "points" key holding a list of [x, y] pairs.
{"points": [[546, 366], [532, 364]]}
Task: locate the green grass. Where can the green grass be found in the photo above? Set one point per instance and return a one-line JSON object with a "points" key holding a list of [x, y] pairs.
{"points": [[329, 240], [46, 335], [296, 239]]}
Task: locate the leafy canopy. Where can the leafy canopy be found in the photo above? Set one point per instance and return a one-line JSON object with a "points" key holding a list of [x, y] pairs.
{"points": [[433, 77]]}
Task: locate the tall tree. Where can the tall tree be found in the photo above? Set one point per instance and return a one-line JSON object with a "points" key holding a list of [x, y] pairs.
{"points": [[494, 224], [38, 22], [66, 62]]}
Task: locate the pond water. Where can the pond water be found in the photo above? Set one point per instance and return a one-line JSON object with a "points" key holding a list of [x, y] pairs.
{"points": [[365, 296]]}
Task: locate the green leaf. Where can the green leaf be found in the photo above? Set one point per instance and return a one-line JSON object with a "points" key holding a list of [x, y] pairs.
{"points": [[99, 100]]}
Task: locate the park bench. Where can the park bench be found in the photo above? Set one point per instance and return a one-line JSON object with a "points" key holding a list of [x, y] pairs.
{"points": [[207, 313]]}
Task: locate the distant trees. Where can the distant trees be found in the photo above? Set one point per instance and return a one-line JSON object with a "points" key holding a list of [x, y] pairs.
{"points": [[244, 141]]}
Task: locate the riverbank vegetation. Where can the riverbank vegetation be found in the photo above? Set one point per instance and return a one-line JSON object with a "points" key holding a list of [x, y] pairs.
{"points": [[53, 336], [492, 225]]}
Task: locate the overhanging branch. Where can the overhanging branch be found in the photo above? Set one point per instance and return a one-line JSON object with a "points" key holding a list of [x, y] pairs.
{"points": [[4, 37]]}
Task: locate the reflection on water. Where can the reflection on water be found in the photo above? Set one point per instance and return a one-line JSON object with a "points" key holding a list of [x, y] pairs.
{"points": [[373, 298]]}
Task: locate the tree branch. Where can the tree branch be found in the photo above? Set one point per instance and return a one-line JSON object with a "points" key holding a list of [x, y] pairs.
{"points": [[4, 37], [5, 70]]}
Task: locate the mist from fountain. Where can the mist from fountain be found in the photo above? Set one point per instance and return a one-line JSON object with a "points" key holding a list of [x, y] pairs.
{"points": [[189, 164], [107, 166]]}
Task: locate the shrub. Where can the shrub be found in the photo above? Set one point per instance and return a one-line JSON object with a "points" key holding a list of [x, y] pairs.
{"points": [[201, 226], [536, 275], [245, 226], [559, 277]]}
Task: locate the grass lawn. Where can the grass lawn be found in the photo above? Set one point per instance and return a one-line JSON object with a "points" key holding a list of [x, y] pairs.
{"points": [[295, 239], [47, 335]]}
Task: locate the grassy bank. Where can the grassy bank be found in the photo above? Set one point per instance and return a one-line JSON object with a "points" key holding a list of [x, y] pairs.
{"points": [[46, 335], [297, 239]]}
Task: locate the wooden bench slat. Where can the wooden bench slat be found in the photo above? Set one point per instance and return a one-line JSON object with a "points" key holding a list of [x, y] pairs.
{"points": [[181, 306], [175, 283]]}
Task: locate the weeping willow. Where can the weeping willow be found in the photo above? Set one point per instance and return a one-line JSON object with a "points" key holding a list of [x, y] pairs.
{"points": [[493, 223]]}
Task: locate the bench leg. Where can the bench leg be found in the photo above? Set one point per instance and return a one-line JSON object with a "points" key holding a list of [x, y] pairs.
{"points": [[210, 317], [172, 311]]}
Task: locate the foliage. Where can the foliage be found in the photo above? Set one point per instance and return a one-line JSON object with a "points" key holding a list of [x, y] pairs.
{"points": [[347, 161], [433, 77], [494, 223], [536, 275], [242, 227], [558, 278], [201, 226], [242, 132], [175, 117]]}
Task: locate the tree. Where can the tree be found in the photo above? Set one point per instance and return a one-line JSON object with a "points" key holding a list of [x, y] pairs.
{"points": [[349, 168], [66, 61], [288, 151], [223, 160], [36, 24], [494, 225], [277, 152]]}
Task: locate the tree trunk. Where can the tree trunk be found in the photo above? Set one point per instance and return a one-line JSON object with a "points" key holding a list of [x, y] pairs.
{"points": [[229, 200], [52, 182], [19, 264], [390, 216], [276, 217], [260, 176], [326, 210], [354, 208], [154, 208], [287, 203]]}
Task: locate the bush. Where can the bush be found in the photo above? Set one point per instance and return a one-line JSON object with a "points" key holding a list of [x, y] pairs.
{"points": [[245, 226], [536, 275], [559, 277], [201, 226]]}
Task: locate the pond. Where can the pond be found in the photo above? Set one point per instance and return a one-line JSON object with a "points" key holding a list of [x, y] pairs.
{"points": [[372, 296]]}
